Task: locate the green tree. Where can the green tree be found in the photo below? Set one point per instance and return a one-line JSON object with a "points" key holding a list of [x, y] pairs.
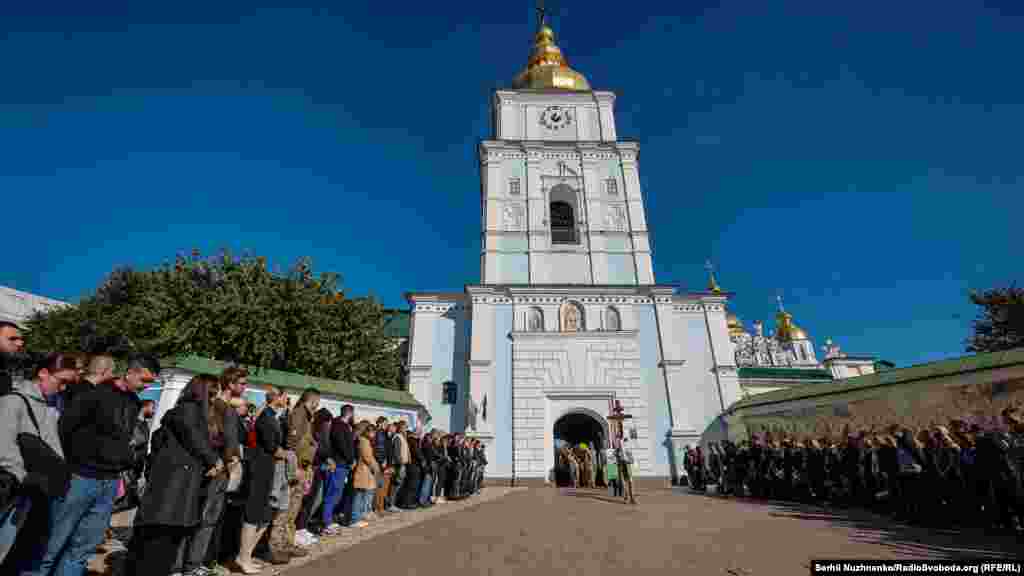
{"points": [[229, 308], [1000, 321]]}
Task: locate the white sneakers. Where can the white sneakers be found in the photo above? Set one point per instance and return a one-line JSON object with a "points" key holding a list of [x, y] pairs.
{"points": [[305, 538], [333, 530]]}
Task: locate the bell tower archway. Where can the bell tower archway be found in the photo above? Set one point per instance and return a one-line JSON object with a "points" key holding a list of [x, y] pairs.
{"points": [[580, 426]]}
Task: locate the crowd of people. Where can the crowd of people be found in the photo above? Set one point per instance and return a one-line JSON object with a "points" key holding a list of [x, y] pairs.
{"points": [[958, 474], [582, 466], [218, 486]]}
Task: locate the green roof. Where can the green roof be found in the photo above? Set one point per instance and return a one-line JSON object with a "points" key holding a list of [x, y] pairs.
{"points": [[784, 373], [953, 366], [396, 324], [293, 381]]}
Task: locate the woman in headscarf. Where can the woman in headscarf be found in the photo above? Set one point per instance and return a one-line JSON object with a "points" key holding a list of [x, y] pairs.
{"points": [[171, 508]]}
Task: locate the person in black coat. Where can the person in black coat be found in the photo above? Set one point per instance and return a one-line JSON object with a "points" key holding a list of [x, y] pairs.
{"points": [[256, 514], [172, 506], [428, 469], [440, 467], [457, 468], [408, 498]]}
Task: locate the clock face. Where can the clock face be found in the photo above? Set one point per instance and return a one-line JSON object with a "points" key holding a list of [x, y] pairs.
{"points": [[556, 117]]}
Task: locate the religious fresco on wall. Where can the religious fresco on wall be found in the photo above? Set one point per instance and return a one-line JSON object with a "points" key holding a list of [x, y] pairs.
{"points": [[909, 405]]}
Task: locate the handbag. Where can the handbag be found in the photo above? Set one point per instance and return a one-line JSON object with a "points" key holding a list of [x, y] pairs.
{"points": [[45, 469]]}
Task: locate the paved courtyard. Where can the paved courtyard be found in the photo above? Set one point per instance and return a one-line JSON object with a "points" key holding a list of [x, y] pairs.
{"points": [[543, 531]]}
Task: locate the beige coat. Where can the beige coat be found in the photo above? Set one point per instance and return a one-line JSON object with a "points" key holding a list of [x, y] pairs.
{"points": [[367, 469], [300, 436]]}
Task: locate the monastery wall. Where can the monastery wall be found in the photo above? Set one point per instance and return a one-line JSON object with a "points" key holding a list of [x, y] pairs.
{"points": [[975, 396]]}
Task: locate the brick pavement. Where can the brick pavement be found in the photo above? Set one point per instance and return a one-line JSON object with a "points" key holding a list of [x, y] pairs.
{"points": [[546, 531]]}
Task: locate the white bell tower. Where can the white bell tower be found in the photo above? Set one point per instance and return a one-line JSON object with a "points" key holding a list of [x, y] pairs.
{"points": [[561, 196]]}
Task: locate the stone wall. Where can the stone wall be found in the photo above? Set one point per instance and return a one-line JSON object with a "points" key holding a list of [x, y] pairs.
{"points": [[557, 374], [914, 404]]}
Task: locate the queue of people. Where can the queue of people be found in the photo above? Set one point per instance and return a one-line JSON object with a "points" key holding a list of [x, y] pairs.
{"points": [[959, 474], [220, 489]]}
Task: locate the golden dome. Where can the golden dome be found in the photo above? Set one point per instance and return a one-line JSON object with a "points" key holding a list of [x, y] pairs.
{"points": [[547, 68], [797, 333], [786, 330], [735, 325]]}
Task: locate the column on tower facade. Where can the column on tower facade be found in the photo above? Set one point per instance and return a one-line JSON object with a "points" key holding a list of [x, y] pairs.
{"points": [[537, 211], [488, 412], [605, 105], [635, 208], [725, 350], [595, 220], [491, 188], [421, 349]]}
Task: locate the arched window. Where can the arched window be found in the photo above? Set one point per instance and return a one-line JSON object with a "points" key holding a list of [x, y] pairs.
{"points": [[535, 320], [563, 223], [612, 319], [803, 352]]}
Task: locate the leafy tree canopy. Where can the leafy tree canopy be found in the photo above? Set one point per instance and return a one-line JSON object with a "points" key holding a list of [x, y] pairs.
{"points": [[1000, 321], [233, 309]]}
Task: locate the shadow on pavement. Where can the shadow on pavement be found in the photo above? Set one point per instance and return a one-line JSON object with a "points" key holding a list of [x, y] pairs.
{"points": [[904, 539], [596, 495]]}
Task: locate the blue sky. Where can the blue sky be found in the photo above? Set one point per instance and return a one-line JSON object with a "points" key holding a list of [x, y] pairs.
{"points": [[862, 160]]}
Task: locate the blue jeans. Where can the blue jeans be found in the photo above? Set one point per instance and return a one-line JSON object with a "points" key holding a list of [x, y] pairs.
{"points": [[78, 522], [426, 489], [369, 501], [360, 504], [8, 526], [334, 487]]}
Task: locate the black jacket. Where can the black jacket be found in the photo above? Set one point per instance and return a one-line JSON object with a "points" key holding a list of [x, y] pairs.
{"points": [[182, 455], [140, 444], [71, 391], [6, 381], [8, 371], [343, 443], [96, 431], [428, 458], [260, 461], [382, 448]]}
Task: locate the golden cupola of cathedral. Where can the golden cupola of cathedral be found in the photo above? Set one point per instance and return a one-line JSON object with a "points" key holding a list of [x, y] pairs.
{"points": [[735, 325], [785, 329], [547, 68]]}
